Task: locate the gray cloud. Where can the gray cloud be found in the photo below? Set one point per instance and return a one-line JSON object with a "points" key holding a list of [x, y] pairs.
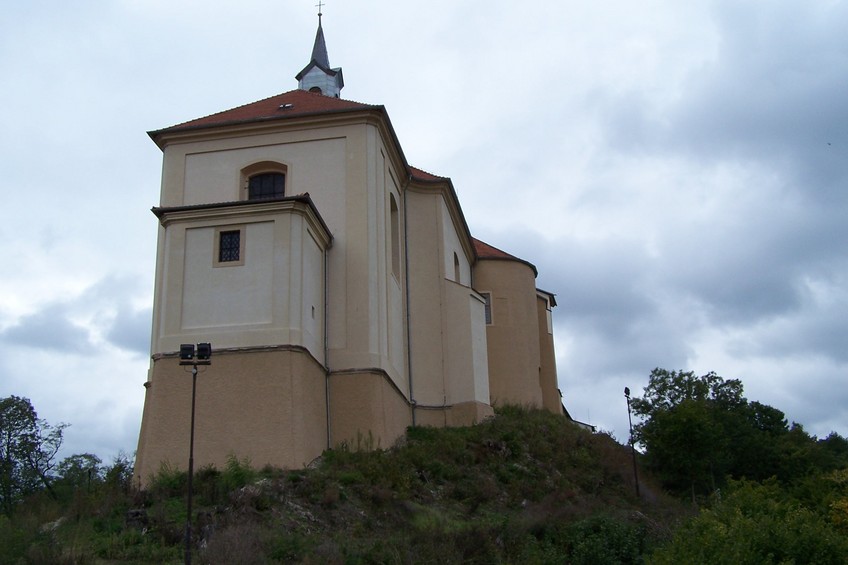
{"points": [[102, 312], [49, 329], [677, 174], [131, 330]]}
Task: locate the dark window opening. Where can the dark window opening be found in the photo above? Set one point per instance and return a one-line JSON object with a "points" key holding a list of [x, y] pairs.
{"points": [[229, 248], [266, 185]]}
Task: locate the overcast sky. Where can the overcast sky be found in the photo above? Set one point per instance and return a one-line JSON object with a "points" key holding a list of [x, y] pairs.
{"points": [[677, 171]]}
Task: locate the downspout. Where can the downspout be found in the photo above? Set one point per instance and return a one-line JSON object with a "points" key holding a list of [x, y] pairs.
{"points": [[327, 351], [412, 402]]}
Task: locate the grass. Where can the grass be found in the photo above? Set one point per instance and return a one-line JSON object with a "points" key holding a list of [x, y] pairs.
{"points": [[525, 486]]}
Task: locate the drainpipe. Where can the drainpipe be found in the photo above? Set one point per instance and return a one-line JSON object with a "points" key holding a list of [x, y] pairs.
{"points": [[406, 281], [327, 350]]}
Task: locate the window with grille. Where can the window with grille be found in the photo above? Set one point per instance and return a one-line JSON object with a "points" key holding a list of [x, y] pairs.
{"points": [[229, 246], [266, 185]]}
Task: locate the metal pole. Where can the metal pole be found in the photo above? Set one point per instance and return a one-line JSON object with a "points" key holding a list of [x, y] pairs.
{"points": [[632, 446], [190, 468]]}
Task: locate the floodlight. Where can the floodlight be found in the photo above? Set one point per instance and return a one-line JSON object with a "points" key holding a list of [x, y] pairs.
{"points": [[186, 352], [204, 351]]}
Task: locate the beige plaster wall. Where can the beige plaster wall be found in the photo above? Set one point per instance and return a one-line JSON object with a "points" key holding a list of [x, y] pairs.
{"points": [[551, 399], [463, 414], [464, 345], [349, 167], [448, 341], [426, 287], [275, 296], [367, 410], [513, 337], [267, 406]]}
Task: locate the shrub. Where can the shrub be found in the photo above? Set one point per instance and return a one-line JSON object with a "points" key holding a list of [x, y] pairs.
{"points": [[754, 524]]}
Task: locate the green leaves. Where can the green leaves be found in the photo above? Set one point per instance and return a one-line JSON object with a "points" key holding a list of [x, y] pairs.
{"points": [[28, 447], [698, 431], [754, 524]]}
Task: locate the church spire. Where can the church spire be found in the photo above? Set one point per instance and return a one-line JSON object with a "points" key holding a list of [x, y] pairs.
{"points": [[319, 50], [318, 76]]}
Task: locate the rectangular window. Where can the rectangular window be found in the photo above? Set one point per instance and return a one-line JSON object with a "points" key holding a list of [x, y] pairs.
{"points": [[229, 246], [394, 225], [487, 296], [266, 185]]}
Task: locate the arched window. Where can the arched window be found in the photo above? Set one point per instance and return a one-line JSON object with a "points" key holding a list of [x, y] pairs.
{"points": [[456, 270], [263, 180]]}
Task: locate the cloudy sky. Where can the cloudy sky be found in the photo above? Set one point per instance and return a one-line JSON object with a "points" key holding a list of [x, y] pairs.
{"points": [[678, 172]]}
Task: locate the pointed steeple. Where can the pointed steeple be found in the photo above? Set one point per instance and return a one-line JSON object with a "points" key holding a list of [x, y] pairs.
{"points": [[318, 76], [319, 50]]}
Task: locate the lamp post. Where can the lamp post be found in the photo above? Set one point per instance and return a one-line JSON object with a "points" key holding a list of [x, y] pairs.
{"points": [[632, 446], [194, 357]]}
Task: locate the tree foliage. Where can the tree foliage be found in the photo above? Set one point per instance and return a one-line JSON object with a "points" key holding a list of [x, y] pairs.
{"points": [[756, 523], [28, 448], [697, 431]]}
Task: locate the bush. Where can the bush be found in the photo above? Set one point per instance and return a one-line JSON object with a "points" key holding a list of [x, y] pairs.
{"points": [[755, 524]]}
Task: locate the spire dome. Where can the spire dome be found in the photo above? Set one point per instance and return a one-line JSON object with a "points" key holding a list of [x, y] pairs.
{"points": [[318, 76]]}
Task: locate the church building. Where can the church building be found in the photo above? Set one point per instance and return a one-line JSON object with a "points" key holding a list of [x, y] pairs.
{"points": [[340, 287]]}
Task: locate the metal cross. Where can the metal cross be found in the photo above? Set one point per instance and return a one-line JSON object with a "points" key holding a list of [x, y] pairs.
{"points": [[319, 5]]}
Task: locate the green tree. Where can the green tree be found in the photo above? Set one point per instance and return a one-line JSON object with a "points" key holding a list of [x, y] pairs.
{"points": [[697, 430], [28, 448], [80, 470]]}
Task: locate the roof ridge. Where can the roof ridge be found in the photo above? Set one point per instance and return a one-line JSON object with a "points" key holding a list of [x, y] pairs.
{"points": [[291, 103], [230, 109]]}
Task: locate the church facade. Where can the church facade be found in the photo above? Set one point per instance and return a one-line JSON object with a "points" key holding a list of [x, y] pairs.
{"points": [[341, 289]]}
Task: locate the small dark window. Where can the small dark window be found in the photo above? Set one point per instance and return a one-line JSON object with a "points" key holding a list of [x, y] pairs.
{"points": [[229, 248], [266, 185]]}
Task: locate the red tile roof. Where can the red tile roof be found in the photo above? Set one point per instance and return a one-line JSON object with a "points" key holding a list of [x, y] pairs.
{"points": [[286, 105], [281, 106], [422, 175], [486, 251]]}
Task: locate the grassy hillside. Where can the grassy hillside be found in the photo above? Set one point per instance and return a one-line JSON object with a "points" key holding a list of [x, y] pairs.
{"points": [[522, 487]]}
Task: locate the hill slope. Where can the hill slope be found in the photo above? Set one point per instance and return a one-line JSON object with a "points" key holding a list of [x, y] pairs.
{"points": [[522, 487]]}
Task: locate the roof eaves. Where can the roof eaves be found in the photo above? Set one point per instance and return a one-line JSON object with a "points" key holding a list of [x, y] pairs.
{"points": [[156, 135], [499, 255], [161, 211], [313, 63]]}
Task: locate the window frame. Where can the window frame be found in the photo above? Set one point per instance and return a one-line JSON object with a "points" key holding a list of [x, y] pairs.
{"points": [[488, 311], [262, 168], [220, 231], [394, 236]]}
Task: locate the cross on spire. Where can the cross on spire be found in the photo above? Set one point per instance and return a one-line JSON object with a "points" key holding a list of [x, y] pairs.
{"points": [[319, 5]]}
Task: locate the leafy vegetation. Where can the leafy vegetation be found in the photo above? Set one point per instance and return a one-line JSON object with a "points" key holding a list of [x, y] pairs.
{"points": [[758, 523], [523, 487], [771, 493], [700, 431], [28, 447]]}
